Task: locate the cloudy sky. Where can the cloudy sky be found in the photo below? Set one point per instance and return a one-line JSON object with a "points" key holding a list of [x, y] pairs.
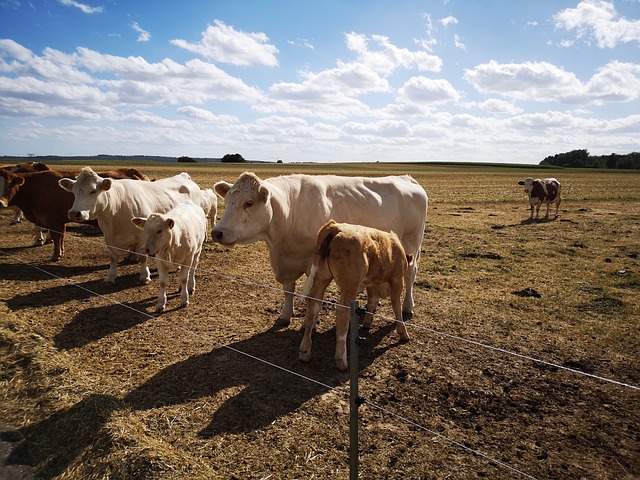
{"points": [[330, 80]]}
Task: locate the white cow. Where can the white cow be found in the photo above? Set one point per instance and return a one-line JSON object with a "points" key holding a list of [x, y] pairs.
{"points": [[175, 238], [113, 203], [286, 213], [209, 204]]}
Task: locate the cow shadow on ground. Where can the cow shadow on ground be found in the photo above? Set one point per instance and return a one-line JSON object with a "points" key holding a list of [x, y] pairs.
{"points": [[92, 324], [70, 291], [44, 271], [273, 384]]}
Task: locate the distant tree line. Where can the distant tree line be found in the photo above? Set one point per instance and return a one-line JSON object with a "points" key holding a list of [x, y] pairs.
{"points": [[582, 159], [233, 158]]}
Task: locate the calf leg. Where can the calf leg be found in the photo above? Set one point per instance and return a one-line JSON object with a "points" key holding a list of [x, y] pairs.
{"points": [[185, 289], [342, 326], [145, 274], [163, 275], [311, 317], [373, 300]]}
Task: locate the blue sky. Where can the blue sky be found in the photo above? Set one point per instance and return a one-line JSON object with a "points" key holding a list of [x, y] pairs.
{"points": [[335, 80]]}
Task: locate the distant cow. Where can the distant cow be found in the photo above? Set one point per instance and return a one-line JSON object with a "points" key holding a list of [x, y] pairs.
{"points": [[287, 212], [113, 203], [174, 238], [355, 257], [542, 191]]}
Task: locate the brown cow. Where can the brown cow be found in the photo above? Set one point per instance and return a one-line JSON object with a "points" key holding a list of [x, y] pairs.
{"points": [[43, 202], [355, 257], [542, 191]]}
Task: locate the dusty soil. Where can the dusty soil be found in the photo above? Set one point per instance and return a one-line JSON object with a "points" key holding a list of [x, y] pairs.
{"points": [[96, 385]]}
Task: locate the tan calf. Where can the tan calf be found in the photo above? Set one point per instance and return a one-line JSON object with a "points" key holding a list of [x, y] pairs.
{"points": [[355, 257]]}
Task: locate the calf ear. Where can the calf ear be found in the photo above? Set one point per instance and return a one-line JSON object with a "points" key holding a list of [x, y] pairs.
{"points": [[221, 188], [169, 222], [106, 184], [139, 222], [520, 182], [67, 184]]}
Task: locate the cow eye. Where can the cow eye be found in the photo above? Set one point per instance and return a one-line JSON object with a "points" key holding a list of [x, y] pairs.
{"points": [[248, 204]]}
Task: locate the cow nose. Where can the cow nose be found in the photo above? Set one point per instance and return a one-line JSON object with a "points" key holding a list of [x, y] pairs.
{"points": [[216, 235]]}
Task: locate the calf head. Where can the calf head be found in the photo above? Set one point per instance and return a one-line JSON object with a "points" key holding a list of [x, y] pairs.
{"points": [[86, 190], [248, 211], [157, 233], [9, 184]]}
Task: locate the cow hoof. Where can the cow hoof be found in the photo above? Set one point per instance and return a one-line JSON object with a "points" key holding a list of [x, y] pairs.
{"points": [[407, 316], [108, 281], [304, 356], [342, 365], [38, 243], [282, 322], [145, 281], [159, 308]]}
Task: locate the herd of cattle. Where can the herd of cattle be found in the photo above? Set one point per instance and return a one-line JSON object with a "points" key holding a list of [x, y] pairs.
{"points": [[375, 246]]}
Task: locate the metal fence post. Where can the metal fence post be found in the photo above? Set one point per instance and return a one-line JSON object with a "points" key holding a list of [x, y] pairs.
{"points": [[354, 399]]}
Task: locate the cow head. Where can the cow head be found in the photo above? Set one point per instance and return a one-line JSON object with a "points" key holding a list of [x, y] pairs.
{"points": [[157, 233], [86, 189], [248, 211], [528, 185], [9, 184]]}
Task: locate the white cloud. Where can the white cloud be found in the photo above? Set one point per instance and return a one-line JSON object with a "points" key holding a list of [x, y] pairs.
{"points": [[203, 115], [544, 82], [301, 42], [144, 35], [445, 22], [459, 43], [222, 43], [427, 90], [598, 19], [83, 7]]}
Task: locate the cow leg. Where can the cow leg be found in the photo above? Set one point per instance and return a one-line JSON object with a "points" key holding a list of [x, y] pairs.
{"points": [[395, 288], [163, 275], [342, 327], [58, 245], [114, 256], [538, 211], [191, 285], [558, 201], [548, 208], [39, 237], [287, 309], [409, 280], [311, 317]]}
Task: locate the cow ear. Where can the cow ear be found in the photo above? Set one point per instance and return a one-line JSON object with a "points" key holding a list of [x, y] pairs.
{"points": [[18, 181], [67, 184], [222, 188], [520, 182], [139, 222], [169, 222], [106, 184], [264, 192]]}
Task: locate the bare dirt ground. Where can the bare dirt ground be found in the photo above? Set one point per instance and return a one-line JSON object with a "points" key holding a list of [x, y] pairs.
{"points": [[94, 384]]}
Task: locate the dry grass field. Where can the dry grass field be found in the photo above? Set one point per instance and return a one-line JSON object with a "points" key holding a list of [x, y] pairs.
{"points": [[94, 384]]}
